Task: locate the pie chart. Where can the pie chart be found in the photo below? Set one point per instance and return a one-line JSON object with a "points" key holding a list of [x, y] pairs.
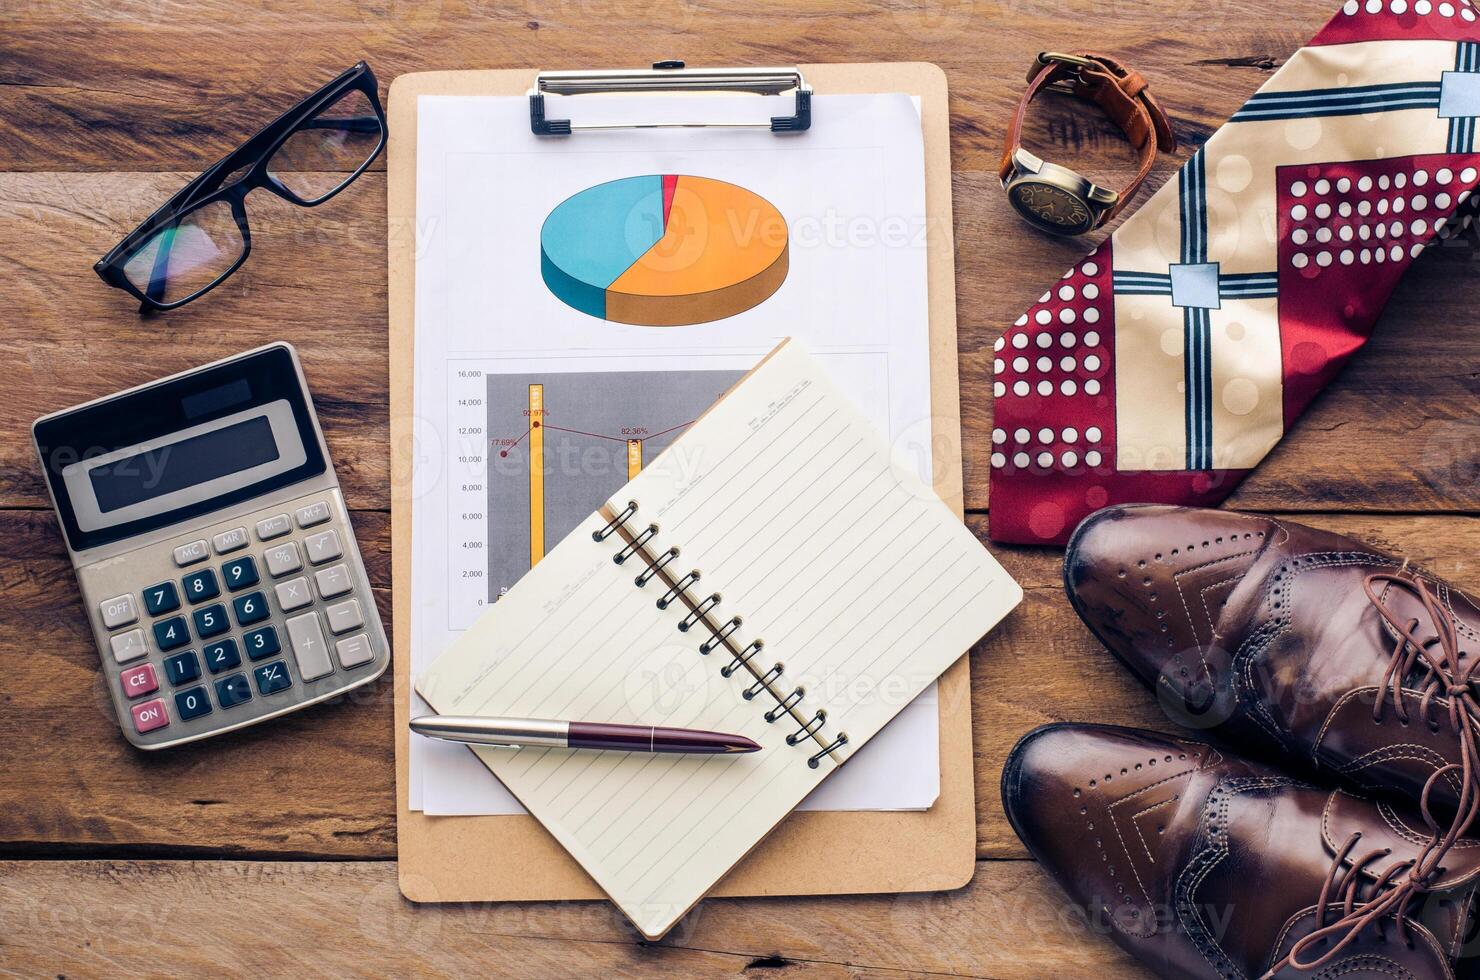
{"points": [[663, 250]]}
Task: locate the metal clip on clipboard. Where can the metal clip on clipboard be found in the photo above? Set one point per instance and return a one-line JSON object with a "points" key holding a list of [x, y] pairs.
{"points": [[671, 76]]}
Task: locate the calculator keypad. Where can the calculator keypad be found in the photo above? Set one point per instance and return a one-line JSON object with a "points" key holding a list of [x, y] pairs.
{"points": [[185, 649]]}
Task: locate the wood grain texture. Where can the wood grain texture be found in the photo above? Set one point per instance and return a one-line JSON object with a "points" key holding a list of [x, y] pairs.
{"points": [[107, 106], [89, 918]]}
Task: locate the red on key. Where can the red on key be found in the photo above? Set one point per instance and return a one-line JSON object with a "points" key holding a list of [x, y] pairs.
{"points": [[149, 716], [139, 681]]}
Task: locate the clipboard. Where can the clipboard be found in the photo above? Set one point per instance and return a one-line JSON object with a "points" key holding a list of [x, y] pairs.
{"points": [[511, 857]]}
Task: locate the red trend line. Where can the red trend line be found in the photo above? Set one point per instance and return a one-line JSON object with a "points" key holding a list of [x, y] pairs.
{"points": [[581, 432], [672, 428], [515, 444], [597, 435]]}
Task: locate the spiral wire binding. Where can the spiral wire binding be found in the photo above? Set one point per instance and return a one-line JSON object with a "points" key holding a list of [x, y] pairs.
{"points": [[635, 545], [742, 658], [679, 588], [809, 728], [838, 742], [646, 575], [719, 636], [698, 613], [616, 522], [786, 704], [764, 681]]}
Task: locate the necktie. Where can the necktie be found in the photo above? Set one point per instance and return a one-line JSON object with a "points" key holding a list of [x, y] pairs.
{"points": [[1165, 365]]}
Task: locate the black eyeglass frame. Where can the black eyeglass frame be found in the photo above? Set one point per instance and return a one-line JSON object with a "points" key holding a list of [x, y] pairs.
{"points": [[254, 155]]}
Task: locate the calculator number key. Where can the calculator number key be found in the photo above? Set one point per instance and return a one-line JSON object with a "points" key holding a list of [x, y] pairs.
{"points": [[161, 598], [310, 648], [169, 633], [192, 703], [283, 559], [182, 668], [221, 656], [240, 573], [261, 643], [250, 608], [211, 621], [149, 716], [201, 585], [273, 677], [138, 681], [234, 690], [119, 611]]}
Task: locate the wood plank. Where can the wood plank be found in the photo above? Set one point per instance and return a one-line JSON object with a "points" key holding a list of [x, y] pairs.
{"points": [[319, 783], [89, 918], [96, 85], [1396, 432]]}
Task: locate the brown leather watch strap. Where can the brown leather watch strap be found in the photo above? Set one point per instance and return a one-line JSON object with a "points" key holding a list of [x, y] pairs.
{"points": [[1120, 91]]}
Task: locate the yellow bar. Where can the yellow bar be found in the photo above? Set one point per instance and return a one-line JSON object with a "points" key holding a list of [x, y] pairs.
{"points": [[536, 474], [634, 457]]}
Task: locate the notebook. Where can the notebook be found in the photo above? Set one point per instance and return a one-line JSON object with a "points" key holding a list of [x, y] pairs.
{"points": [[774, 573]]}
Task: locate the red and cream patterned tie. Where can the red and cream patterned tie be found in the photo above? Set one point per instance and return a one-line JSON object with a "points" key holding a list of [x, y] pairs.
{"points": [[1165, 365]]}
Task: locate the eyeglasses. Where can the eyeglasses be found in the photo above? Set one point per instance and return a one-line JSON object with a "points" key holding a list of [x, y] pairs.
{"points": [[200, 236]]}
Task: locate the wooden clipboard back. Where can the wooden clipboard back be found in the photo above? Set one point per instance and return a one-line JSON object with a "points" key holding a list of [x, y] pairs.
{"points": [[513, 858]]}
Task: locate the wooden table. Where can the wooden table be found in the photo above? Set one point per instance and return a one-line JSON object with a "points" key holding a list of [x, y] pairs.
{"points": [[272, 849]]}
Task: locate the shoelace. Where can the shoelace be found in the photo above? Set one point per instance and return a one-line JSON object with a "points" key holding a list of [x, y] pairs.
{"points": [[1395, 889]]}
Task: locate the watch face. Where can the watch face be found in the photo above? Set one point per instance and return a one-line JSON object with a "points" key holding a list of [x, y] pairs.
{"points": [[1051, 207]]}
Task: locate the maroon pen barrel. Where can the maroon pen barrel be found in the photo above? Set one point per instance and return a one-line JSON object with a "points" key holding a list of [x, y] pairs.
{"points": [[642, 738]]}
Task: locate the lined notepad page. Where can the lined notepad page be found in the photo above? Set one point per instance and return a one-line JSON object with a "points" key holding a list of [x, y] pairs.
{"points": [[856, 576]]}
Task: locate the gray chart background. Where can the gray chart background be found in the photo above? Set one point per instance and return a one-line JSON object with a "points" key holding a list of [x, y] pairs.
{"points": [[585, 467]]}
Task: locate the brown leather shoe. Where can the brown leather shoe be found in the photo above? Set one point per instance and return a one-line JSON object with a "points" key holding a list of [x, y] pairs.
{"points": [[1202, 864], [1274, 636]]}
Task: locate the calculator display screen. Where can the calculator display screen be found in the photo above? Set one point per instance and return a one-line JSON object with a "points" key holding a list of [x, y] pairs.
{"points": [[187, 463], [180, 448]]}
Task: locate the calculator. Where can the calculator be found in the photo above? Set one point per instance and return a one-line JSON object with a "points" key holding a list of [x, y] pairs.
{"points": [[214, 552]]}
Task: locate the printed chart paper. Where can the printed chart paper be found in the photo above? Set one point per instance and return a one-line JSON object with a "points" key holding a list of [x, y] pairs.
{"points": [[580, 301]]}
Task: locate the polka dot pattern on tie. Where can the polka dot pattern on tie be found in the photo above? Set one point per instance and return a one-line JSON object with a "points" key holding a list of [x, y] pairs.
{"points": [[1052, 379], [1366, 213], [1463, 10]]}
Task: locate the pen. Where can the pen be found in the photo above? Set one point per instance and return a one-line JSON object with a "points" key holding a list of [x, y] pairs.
{"points": [[538, 733]]}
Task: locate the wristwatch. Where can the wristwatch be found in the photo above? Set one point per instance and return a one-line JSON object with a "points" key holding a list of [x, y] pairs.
{"points": [[1054, 198]]}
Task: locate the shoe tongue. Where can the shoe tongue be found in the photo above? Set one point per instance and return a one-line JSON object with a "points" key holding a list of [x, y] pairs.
{"points": [[1395, 829]]}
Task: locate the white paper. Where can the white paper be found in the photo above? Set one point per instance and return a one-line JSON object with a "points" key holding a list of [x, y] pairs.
{"points": [[851, 191]]}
